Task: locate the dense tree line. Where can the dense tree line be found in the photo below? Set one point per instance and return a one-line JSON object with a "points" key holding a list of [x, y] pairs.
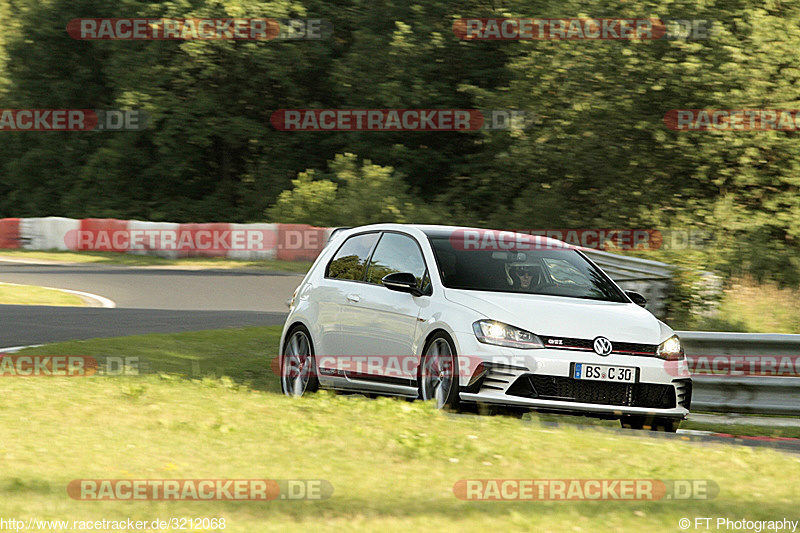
{"points": [[599, 155]]}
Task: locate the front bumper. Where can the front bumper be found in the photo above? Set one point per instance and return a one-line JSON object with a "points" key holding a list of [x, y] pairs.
{"points": [[543, 379]]}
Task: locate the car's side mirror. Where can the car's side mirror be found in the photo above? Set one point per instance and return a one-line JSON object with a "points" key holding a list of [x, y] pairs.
{"points": [[402, 282], [637, 298]]}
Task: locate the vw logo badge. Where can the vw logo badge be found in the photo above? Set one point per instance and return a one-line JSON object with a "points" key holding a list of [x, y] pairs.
{"points": [[602, 346]]}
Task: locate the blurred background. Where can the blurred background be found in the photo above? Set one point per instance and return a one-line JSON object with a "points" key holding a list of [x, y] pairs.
{"points": [[599, 155]]}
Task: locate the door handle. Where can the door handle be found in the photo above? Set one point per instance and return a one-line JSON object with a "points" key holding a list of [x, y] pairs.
{"points": [[355, 298]]}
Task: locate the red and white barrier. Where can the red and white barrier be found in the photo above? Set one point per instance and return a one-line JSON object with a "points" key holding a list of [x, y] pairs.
{"points": [[300, 242], [204, 240], [48, 233], [9, 233], [152, 246], [287, 242], [100, 235], [266, 234]]}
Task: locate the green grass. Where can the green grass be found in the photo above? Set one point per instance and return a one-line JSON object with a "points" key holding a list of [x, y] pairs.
{"points": [[246, 356], [113, 258], [393, 464], [242, 354], [13, 294], [755, 307]]}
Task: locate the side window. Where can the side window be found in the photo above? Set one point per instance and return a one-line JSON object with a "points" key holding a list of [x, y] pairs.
{"points": [[563, 272], [350, 261], [396, 253]]}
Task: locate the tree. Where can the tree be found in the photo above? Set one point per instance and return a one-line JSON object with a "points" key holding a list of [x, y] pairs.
{"points": [[354, 195]]}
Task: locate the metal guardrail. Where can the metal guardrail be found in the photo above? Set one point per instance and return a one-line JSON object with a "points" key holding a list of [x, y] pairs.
{"points": [[745, 394], [650, 278], [623, 268]]}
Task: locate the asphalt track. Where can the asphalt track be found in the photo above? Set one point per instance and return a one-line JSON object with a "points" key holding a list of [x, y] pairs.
{"points": [[148, 300], [23, 325], [165, 288]]}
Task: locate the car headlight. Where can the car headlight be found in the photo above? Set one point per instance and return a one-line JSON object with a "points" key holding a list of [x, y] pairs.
{"points": [[499, 334], [670, 350]]}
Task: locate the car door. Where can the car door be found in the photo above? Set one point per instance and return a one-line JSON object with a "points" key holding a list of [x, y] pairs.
{"points": [[344, 279], [384, 322]]}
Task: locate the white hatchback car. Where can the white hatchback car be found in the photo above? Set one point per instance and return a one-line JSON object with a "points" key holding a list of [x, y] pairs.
{"points": [[462, 315]]}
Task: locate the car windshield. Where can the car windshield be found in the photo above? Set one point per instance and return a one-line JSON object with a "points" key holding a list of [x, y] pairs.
{"points": [[555, 272]]}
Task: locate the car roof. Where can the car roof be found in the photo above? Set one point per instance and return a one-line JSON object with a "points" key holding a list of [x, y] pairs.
{"points": [[442, 232]]}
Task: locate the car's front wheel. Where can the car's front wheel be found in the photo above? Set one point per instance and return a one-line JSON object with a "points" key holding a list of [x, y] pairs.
{"points": [[439, 372], [298, 368], [670, 425]]}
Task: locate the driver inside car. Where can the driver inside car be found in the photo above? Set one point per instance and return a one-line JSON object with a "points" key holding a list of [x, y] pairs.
{"points": [[525, 277]]}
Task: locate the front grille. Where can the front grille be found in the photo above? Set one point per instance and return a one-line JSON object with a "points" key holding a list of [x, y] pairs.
{"points": [[634, 348], [567, 389], [497, 379], [493, 376], [628, 348], [684, 392], [566, 343]]}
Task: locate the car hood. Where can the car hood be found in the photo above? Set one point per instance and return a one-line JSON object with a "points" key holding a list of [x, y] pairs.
{"points": [[558, 316]]}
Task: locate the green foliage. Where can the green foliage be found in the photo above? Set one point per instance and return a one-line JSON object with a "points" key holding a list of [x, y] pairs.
{"points": [[348, 267], [309, 202], [747, 305], [361, 194], [599, 155]]}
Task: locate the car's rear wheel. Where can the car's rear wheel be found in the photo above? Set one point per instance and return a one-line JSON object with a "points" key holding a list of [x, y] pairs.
{"points": [[439, 372], [298, 368], [669, 425]]}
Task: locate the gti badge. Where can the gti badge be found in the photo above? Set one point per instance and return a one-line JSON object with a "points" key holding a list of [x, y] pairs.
{"points": [[602, 346]]}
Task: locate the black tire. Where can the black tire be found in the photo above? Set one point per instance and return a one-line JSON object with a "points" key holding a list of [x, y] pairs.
{"points": [[298, 366], [632, 422], [438, 372], [668, 425]]}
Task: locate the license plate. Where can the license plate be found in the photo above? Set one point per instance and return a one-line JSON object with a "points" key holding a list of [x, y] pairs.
{"points": [[619, 374]]}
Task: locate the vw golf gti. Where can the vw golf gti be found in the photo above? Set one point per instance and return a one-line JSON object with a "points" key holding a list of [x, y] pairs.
{"points": [[463, 315]]}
